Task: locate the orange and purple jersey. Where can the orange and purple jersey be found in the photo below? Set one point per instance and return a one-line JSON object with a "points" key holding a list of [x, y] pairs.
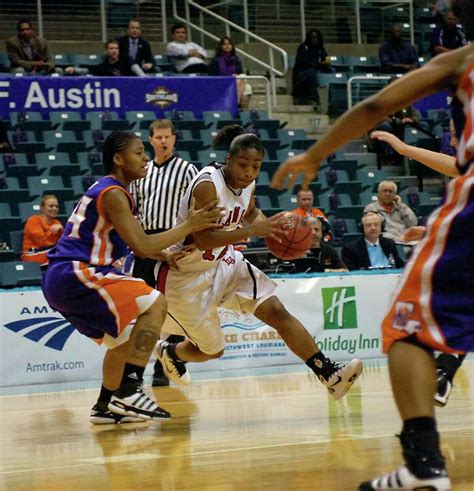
{"points": [[434, 299], [89, 236]]}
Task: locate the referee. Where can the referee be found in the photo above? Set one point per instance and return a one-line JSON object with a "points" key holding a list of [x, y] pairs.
{"points": [[157, 197]]}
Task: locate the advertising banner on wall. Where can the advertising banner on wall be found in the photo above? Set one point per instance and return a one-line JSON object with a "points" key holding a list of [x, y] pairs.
{"points": [[342, 313], [84, 94]]}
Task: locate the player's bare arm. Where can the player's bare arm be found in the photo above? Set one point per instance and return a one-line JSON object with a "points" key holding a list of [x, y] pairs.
{"points": [[117, 208], [446, 164], [441, 72]]}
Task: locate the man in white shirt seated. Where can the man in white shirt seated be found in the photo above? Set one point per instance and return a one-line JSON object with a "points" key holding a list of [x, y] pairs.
{"points": [[187, 57], [372, 250]]}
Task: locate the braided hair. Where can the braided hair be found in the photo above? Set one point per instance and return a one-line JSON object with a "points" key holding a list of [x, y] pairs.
{"points": [[116, 142], [234, 138]]}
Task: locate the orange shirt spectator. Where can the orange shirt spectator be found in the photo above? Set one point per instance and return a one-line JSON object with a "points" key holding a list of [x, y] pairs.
{"points": [[42, 231], [305, 209]]}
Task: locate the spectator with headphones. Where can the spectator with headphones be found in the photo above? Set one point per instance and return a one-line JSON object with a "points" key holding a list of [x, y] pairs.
{"points": [[321, 257], [398, 216], [371, 251]]}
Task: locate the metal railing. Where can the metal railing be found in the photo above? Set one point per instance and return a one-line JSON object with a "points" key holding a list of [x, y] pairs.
{"points": [[266, 82], [272, 48], [363, 94]]}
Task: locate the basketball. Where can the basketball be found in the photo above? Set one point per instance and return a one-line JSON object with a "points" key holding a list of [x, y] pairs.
{"points": [[297, 240]]}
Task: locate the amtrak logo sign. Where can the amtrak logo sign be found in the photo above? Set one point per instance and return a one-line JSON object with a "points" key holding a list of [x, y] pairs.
{"points": [[51, 332], [161, 97]]}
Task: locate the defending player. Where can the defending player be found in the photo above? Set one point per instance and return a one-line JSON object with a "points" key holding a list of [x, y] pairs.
{"points": [[122, 312], [215, 275], [432, 308]]}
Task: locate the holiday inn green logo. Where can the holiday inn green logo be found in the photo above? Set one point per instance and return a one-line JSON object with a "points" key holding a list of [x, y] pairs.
{"points": [[339, 306]]}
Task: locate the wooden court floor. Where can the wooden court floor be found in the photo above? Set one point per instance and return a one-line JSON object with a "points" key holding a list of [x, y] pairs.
{"points": [[269, 432]]}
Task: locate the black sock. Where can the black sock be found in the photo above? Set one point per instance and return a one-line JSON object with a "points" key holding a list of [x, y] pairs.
{"points": [[104, 398], [132, 374], [319, 364], [420, 444], [175, 338], [171, 350], [419, 424], [449, 364]]}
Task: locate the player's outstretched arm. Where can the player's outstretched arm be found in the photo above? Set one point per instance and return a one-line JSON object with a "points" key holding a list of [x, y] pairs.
{"points": [[446, 164], [117, 208], [441, 72]]}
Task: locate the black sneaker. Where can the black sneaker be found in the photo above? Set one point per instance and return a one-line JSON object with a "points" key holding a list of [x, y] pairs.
{"points": [[342, 377], [443, 388], [175, 370], [99, 417], [403, 478], [138, 405], [160, 380]]}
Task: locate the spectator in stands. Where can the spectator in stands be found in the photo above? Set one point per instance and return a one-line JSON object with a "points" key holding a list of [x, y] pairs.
{"points": [[321, 257], [439, 9], [227, 63], [4, 143], [157, 197], [42, 231], [397, 55], [29, 53], [372, 250], [311, 58], [448, 36], [135, 47], [395, 123], [114, 65], [398, 216], [187, 57], [305, 200]]}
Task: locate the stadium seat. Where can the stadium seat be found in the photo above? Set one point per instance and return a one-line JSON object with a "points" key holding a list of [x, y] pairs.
{"points": [[62, 60], [13, 194], [40, 185], [85, 61], [80, 184], [115, 125], [64, 120], [287, 201], [325, 79], [29, 120], [28, 208], [69, 207], [64, 141], [370, 179], [329, 177], [207, 156], [134, 118], [286, 136], [16, 274], [350, 166], [176, 116], [96, 118], [350, 211], [16, 242], [211, 118], [330, 202], [284, 154], [248, 117]]}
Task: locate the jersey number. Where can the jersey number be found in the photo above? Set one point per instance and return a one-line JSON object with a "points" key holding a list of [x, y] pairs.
{"points": [[78, 216], [209, 256]]}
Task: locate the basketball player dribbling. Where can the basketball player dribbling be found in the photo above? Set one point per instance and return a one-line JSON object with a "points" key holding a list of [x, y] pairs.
{"points": [[215, 275], [432, 307], [113, 309]]}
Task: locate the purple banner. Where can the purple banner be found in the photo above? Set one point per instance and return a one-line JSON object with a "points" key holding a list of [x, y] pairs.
{"points": [[84, 94]]}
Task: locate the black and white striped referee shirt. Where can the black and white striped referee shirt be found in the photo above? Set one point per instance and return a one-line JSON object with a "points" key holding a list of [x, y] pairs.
{"points": [[158, 194]]}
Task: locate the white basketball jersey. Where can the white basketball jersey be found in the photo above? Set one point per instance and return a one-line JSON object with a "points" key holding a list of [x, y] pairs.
{"points": [[235, 203]]}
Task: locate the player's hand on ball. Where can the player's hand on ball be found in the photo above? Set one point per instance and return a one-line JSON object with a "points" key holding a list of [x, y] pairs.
{"points": [[206, 217], [292, 168], [270, 227]]}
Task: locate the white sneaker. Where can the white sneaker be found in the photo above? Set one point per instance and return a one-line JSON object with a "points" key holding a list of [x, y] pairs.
{"points": [[342, 378], [175, 370], [138, 405], [98, 417], [402, 478]]}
